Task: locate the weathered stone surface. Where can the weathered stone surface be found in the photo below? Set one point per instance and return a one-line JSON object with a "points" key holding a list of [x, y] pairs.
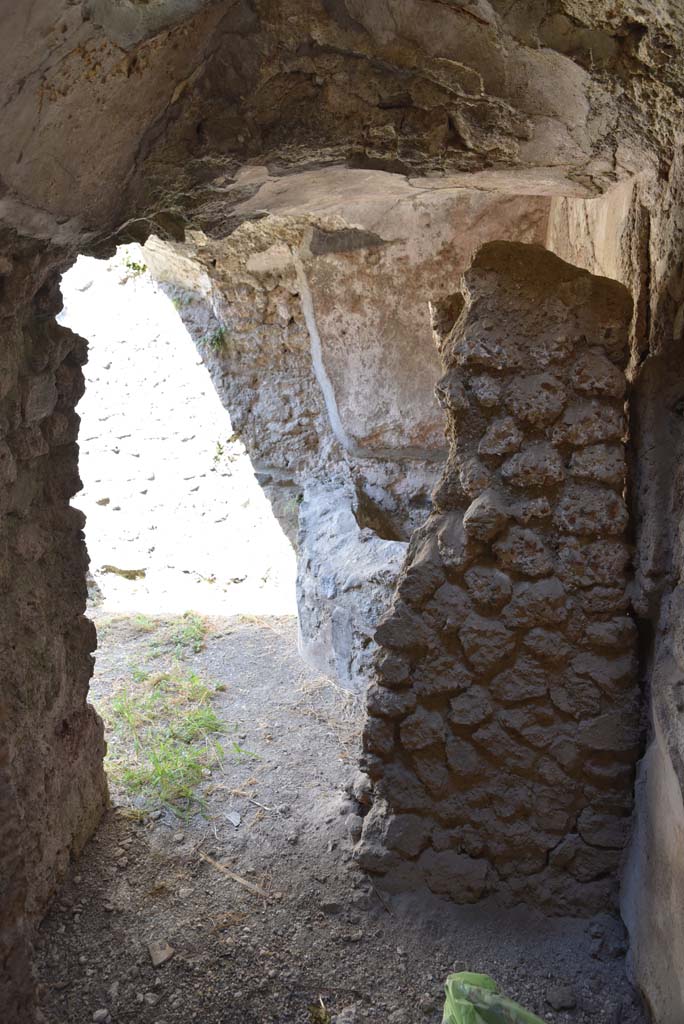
{"points": [[591, 510], [615, 732], [594, 374], [456, 875], [589, 422], [536, 399], [602, 462], [487, 391], [585, 563], [407, 833], [538, 465], [501, 437], [527, 680], [486, 517], [486, 642], [421, 729], [524, 551], [531, 536], [402, 629], [543, 601], [389, 703], [546, 645], [489, 588], [392, 669], [603, 830], [471, 708]]}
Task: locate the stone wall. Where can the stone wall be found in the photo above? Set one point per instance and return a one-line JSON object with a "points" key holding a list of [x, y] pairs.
{"points": [[635, 233], [504, 724], [314, 324], [52, 785]]}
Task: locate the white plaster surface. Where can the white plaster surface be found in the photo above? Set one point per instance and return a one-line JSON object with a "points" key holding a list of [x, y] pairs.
{"points": [[158, 493]]}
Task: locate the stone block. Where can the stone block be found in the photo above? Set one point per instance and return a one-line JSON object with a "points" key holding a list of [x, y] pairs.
{"points": [[486, 517], [456, 549], [432, 771], [8, 467], [614, 634], [576, 697], [486, 642], [594, 374], [40, 397], [469, 709], [378, 736], [408, 834], [451, 394], [489, 588], [591, 510], [531, 509], [422, 729], [604, 830], [585, 563], [502, 437], [610, 673], [449, 607], [389, 703], [584, 862], [453, 874], [589, 421], [536, 399], [28, 443], [462, 758], [487, 391], [522, 550], [526, 680], [538, 465], [504, 749], [403, 790], [547, 645], [604, 463], [431, 680], [473, 475], [615, 732], [392, 669], [402, 629]]}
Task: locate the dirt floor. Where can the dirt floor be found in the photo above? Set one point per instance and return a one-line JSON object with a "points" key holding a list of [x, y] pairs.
{"points": [[257, 895]]}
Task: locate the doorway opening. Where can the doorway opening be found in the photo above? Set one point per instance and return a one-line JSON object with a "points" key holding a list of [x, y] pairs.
{"points": [[192, 579]]}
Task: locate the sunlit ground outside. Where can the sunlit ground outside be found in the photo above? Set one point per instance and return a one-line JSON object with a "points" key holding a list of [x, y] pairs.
{"points": [[175, 517], [187, 562]]}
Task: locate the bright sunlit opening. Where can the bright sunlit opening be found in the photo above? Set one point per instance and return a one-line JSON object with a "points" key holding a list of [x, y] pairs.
{"points": [[175, 516]]}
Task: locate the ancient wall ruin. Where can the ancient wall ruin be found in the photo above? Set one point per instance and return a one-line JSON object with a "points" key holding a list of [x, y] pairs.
{"points": [[121, 120], [52, 784], [504, 724], [298, 317]]}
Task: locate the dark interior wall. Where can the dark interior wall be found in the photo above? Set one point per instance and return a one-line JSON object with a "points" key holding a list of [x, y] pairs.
{"points": [[653, 894], [636, 234], [52, 788]]}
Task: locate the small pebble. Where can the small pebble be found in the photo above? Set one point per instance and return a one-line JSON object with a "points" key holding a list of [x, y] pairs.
{"points": [[561, 997]]}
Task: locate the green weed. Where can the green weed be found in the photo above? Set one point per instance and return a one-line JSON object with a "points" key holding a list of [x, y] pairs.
{"points": [[168, 720], [218, 340], [184, 635], [189, 633]]}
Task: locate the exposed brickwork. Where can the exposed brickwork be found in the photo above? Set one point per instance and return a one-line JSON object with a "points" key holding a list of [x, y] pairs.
{"points": [[503, 725]]}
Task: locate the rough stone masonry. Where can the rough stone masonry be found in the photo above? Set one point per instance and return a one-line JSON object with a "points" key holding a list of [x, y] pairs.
{"points": [[503, 724]]}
